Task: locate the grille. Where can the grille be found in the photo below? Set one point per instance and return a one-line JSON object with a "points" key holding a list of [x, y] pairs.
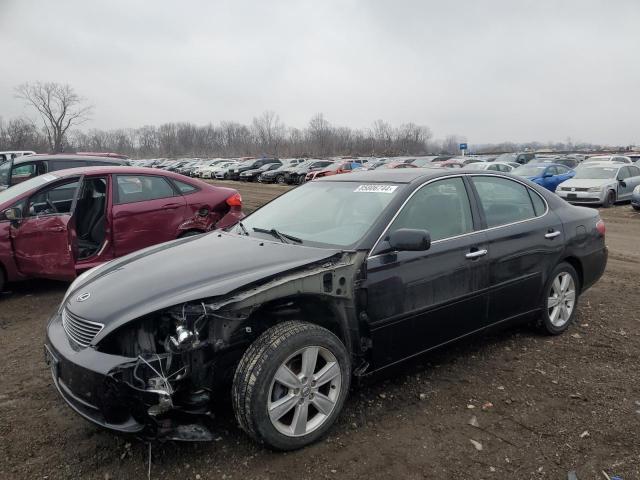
{"points": [[577, 189], [79, 330]]}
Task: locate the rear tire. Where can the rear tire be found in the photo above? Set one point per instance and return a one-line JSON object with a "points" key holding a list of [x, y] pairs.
{"points": [[560, 300], [291, 385], [609, 200], [636, 208], [3, 279]]}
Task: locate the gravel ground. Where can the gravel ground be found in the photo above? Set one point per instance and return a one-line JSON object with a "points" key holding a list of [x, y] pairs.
{"points": [[537, 407]]}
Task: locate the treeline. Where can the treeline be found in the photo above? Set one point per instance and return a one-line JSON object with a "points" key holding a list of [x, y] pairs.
{"points": [[266, 135]]}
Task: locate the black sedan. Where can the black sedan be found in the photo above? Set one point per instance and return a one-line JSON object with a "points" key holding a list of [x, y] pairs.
{"points": [[337, 279], [253, 174]]}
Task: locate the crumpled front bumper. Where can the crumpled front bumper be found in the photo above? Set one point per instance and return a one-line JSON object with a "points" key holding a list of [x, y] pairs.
{"points": [[84, 378], [81, 376]]}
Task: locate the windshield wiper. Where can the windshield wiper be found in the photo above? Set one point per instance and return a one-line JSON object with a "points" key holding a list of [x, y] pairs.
{"points": [[283, 237]]}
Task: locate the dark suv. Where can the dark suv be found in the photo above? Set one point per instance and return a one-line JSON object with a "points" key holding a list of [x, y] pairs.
{"points": [[234, 173], [23, 168]]}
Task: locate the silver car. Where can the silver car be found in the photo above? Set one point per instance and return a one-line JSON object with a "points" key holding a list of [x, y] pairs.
{"points": [[601, 184]]}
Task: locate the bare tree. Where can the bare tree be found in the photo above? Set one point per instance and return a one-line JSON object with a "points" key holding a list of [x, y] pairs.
{"points": [[319, 132], [59, 106], [269, 131]]}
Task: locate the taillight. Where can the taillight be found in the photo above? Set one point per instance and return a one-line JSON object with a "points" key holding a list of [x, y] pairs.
{"points": [[235, 200], [601, 228]]}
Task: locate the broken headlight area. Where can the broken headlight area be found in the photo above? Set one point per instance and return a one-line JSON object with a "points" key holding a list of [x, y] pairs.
{"points": [[170, 375]]}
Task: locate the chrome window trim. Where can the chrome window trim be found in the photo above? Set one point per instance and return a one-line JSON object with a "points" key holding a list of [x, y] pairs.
{"points": [[474, 232]]}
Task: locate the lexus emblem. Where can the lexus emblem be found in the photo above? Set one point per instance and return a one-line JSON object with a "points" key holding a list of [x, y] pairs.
{"points": [[83, 296]]}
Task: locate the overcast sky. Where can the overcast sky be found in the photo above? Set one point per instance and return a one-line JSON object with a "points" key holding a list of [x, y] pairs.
{"points": [[489, 70]]}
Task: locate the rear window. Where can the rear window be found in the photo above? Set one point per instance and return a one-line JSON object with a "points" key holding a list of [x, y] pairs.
{"points": [[64, 164], [184, 187]]}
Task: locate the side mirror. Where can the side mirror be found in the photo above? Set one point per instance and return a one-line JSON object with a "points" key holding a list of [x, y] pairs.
{"points": [[410, 239], [547, 175], [622, 182], [13, 214]]}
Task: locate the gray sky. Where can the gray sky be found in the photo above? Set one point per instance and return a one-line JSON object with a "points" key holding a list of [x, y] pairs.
{"points": [[489, 70]]}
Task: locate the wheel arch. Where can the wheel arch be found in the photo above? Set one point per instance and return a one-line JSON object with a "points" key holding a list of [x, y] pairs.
{"points": [[577, 266], [308, 308]]}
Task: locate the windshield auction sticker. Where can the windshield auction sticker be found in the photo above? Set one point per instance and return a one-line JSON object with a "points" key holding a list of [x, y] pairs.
{"points": [[376, 189]]}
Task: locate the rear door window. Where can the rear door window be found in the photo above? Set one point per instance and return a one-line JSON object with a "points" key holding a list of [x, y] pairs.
{"points": [[141, 188], [503, 201]]}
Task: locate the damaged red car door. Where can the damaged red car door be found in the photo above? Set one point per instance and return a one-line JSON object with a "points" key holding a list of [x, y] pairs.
{"points": [[42, 240], [146, 210]]}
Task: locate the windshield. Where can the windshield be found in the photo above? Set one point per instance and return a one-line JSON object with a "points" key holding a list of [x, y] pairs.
{"points": [[23, 187], [596, 173], [506, 157], [530, 170], [421, 162], [348, 211], [476, 166]]}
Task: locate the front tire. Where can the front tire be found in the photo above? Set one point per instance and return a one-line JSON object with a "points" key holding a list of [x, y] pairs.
{"points": [[280, 179], [3, 279], [291, 385], [636, 208], [560, 301], [609, 200]]}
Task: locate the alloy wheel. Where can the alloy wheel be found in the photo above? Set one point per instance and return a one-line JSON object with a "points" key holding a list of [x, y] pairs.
{"points": [[304, 391], [561, 300]]}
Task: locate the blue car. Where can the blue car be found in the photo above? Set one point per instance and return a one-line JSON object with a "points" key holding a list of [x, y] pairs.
{"points": [[548, 175]]}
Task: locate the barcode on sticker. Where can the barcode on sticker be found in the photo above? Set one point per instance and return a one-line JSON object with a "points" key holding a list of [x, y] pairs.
{"points": [[376, 188]]}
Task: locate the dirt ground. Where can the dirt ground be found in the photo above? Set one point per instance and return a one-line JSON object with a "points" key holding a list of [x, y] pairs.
{"points": [[542, 406]]}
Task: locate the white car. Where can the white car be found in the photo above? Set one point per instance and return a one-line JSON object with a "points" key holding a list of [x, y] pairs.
{"points": [[601, 184], [10, 155], [211, 172], [605, 159], [205, 166], [495, 166]]}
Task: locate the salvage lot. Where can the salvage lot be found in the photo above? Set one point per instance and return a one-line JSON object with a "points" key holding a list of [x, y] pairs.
{"points": [[533, 398]]}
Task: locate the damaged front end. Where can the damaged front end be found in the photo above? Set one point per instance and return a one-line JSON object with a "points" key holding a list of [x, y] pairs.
{"points": [[158, 375]]}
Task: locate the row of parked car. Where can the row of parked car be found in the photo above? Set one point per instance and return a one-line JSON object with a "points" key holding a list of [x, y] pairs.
{"points": [[599, 180]]}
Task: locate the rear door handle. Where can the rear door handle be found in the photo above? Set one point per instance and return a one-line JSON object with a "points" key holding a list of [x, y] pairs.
{"points": [[476, 254], [551, 235]]}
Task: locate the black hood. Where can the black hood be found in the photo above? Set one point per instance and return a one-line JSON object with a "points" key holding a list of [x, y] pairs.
{"points": [[204, 266]]}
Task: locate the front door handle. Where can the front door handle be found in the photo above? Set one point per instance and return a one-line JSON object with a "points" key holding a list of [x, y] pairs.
{"points": [[169, 206], [551, 235], [476, 254]]}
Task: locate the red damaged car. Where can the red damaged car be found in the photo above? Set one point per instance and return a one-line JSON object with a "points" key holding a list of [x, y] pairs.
{"points": [[58, 224]]}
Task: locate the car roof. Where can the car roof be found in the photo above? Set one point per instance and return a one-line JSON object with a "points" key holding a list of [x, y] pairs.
{"points": [[392, 175], [546, 164], [44, 156], [109, 169]]}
